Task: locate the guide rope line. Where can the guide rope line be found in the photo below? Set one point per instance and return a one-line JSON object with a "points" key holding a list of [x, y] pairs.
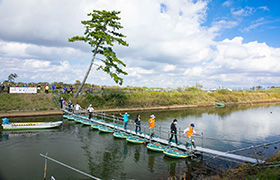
{"points": [[247, 148], [230, 140], [65, 165], [179, 135], [107, 116]]}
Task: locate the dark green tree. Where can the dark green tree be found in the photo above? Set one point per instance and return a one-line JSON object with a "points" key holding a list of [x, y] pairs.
{"points": [[100, 33], [12, 77]]}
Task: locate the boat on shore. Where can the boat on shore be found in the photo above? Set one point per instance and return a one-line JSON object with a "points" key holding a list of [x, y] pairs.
{"points": [[220, 104], [29, 125]]}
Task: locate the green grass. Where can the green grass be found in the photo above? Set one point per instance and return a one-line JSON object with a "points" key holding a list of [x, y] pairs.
{"points": [[136, 99], [26, 102]]}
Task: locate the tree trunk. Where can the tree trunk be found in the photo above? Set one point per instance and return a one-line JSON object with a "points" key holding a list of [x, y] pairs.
{"points": [[88, 71]]}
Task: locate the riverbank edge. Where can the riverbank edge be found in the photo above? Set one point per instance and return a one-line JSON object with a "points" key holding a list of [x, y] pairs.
{"points": [[18, 113]]}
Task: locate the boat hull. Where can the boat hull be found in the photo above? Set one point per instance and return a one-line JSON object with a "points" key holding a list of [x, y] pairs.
{"points": [[95, 126], [156, 147], [120, 135], [175, 153], [105, 130], [87, 123], [135, 140], [31, 125], [219, 104]]}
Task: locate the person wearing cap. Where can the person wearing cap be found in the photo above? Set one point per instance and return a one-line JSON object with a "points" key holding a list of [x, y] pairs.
{"points": [[125, 119], [90, 111], [190, 131], [173, 131], [152, 122]]}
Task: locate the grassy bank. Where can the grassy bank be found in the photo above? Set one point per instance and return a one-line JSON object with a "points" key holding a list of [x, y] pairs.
{"points": [[26, 102], [142, 99], [136, 99]]}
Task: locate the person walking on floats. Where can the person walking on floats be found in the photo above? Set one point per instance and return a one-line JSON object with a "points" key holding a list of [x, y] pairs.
{"points": [[125, 119], [78, 109], [190, 131], [152, 122], [173, 131], [61, 102], [90, 111], [137, 123]]}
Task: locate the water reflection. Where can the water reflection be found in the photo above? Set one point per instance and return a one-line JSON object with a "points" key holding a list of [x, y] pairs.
{"points": [[7, 135], [106, 157], [241, 123]]}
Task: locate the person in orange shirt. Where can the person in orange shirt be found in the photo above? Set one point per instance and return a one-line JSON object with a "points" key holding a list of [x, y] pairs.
{"points": [[152, 122], [190, 131]]}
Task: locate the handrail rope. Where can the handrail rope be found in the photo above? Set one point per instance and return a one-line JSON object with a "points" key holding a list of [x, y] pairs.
{"points": [[55, 101], [166, 130], [65, 165], [260, 145]]}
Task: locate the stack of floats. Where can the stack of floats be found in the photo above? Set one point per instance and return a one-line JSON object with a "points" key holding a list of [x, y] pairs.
{"points": [[122, 134]]}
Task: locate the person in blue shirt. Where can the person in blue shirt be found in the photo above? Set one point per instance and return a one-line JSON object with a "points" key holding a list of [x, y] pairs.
{"points": [[125, 119], [53, 88]]}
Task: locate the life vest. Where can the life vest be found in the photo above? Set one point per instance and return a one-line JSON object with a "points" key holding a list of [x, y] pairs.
{"points": [[190, 131], [152, 123]]}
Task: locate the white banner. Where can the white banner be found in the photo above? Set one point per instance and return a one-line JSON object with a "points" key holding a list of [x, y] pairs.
{"points": [[23, 90]]}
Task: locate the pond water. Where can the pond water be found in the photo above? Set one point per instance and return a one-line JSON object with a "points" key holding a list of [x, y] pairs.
{"points": [[106, 157]]}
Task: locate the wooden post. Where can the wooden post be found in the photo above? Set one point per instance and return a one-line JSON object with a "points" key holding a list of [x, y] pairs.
{"points": [[159, 131], [45, 170]]}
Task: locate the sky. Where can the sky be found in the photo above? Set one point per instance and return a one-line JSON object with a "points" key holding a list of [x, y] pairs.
{"points": [[172, 43]]}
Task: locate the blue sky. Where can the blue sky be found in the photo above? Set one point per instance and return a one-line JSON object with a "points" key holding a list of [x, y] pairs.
{"points": [[172, 43], [257, 20]]}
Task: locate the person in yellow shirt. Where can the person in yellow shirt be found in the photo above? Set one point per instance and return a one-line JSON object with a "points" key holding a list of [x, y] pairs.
{"points": [[190, 131], [152, 122]]}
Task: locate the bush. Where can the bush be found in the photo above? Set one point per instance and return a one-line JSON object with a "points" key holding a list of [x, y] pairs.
{"points": [[115, 99], [95, 100]]}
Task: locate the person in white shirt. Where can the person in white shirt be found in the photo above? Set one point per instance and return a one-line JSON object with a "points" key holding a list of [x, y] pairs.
{"points": [[190, 131], [90, 111], [77, 108]]}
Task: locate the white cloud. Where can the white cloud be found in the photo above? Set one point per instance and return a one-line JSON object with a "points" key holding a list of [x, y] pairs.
{"points": [[227, 3], [166, 48], [169, 67], [264, 8], [30, 63], [243, 11], [241, 63]]}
